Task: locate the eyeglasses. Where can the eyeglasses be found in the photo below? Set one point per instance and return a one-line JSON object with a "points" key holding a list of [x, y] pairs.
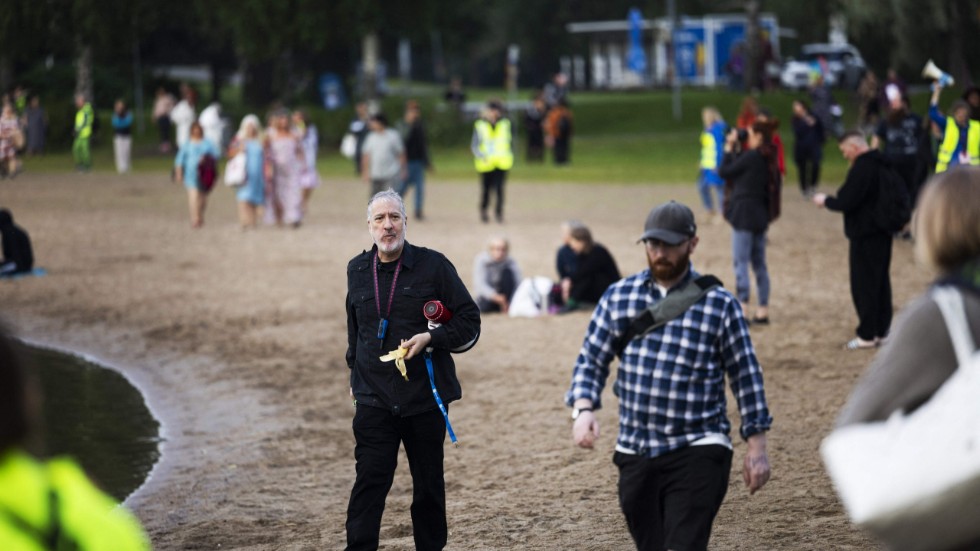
{"points": [[654, 244]]}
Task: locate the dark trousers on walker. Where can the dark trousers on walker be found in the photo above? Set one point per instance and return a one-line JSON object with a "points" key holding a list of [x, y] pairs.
{"points": [[670, 501], [493, 181], [871, 290], [378, 435]]}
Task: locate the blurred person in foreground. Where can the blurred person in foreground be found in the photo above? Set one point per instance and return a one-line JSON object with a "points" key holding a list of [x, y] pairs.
{"points": [[918, 356], [49, 504], [495, 276], [673, 452], [387, 288]]}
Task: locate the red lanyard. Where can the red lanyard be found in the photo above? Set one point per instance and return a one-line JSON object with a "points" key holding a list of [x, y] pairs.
{"points": [[383, 321]]}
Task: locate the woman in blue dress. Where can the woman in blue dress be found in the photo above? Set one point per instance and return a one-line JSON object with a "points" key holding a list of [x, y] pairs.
{"points": [[251, 194], [186, 164]]}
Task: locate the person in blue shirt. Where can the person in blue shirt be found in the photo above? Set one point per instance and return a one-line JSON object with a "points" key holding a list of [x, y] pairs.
{"points": [[673, 452], [189, 157], [122, 141], [251, 194], [712, 142], [961, 136]]}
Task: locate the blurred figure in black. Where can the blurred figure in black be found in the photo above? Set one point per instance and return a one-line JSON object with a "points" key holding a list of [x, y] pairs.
{"points": [[18, 256], [454, 94], [534, 123]]}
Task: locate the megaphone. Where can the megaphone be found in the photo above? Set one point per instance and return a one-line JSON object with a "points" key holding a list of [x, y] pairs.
{"points": [[930, 71]]}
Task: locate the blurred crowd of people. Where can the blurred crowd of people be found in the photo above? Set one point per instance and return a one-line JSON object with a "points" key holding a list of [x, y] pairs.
{"points": [[23, 127]]}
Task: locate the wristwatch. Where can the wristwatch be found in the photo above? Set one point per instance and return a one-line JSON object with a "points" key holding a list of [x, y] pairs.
{"points": [[578, 411]]}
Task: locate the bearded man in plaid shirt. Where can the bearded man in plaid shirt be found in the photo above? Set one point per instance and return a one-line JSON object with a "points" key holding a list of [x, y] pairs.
{"points": [[673, 452]]}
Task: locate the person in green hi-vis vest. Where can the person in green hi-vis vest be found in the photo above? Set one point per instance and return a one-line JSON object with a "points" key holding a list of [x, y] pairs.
{"points": [[84, 119]]}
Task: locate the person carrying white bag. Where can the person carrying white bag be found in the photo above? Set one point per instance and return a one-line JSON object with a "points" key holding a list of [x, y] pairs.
{"points": [[905, 453]]}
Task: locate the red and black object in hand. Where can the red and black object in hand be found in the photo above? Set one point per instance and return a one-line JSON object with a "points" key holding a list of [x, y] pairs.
{"points": [[436, 312]]}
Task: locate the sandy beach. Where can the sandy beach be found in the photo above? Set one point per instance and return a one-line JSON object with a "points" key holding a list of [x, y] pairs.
{"points": [[237, 339]]}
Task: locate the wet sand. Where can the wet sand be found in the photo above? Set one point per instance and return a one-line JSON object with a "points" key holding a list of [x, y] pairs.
{"points": [[238, 340]]}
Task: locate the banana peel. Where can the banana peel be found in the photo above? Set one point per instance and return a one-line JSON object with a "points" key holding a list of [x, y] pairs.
{"points": [[398, 355]]}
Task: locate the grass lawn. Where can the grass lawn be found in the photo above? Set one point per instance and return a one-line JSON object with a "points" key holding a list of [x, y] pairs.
{"points": [[625, 137]]}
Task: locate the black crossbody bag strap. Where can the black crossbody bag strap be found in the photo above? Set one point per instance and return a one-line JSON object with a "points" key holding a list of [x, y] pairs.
{"points": [[667, 309]]}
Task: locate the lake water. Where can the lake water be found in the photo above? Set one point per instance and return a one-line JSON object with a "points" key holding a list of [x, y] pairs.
{"points": [[96, 416]]}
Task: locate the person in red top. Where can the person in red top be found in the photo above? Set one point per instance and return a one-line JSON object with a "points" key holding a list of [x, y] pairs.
{"points": [[748, 113], [766, 116]]}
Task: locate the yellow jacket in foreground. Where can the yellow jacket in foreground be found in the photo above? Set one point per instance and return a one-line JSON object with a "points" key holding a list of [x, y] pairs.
{"points": [[53, 505]]}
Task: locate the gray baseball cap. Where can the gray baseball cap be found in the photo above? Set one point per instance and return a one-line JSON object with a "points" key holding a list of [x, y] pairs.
{"points": [[671, 222]]}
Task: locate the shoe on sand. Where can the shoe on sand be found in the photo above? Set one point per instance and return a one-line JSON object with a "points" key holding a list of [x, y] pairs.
{"points": [[857, 343]]}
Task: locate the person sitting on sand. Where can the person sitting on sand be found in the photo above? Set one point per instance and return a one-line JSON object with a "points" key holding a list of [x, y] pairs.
{"points": [[18, 256], [596, 270], [495, 277]]}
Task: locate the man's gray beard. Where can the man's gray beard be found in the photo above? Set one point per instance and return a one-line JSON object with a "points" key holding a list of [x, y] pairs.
{"points": [[395, 246]]}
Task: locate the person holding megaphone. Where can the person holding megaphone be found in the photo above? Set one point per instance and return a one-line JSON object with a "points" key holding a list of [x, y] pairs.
{"points": [[961, 136]]}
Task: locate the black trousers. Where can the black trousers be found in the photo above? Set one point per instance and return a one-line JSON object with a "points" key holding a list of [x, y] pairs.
{"points": [[493, 181], [670, 501], [871, 290], [378, 434], [808, 167]]}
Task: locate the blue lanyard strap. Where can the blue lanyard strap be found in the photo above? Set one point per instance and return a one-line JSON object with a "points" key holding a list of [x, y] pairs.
{"points": [[442, 407]]}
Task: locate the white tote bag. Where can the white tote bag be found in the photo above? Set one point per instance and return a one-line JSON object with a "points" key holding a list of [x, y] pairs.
{"points": [[914, 480], [235, 172], [530, 298], [348, 145]]}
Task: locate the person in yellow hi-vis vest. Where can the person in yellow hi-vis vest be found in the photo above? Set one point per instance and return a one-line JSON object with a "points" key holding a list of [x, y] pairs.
{"points": [[961, 136], [49, 504], [84, 119], [493, 156]]}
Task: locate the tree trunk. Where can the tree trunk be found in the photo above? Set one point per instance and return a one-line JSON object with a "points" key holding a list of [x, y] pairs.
{"points": [[6, 72], [257, 82], [83, 70], [752, 50], [369, 66], [216, 80], [957, 57]]}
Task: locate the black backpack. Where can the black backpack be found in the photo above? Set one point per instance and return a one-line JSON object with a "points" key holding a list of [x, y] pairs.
{"points": [[894, 206]]}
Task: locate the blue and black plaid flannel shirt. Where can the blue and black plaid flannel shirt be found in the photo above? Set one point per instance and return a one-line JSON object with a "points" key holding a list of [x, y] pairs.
{"points": [[670, 382]]}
